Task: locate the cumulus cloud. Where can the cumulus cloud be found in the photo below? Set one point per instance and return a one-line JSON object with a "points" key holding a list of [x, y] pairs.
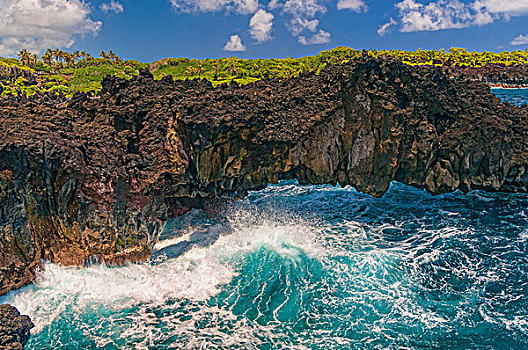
{"points": [[39, 24], [238, 6], [452, 14], [354, 5], [520, 40], [385, 28], [234, 44], [303, 15], [260, 26], [320, 37], [298, 25], [303, 8], [112, 6], [443, 14], [505, 7]]}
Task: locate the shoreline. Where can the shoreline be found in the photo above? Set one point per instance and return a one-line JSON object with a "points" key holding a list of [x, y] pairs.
{"points": [[500, 86]]}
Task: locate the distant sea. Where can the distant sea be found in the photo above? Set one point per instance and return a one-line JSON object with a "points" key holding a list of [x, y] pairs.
{"points": [[516, 97], [307, 267]]}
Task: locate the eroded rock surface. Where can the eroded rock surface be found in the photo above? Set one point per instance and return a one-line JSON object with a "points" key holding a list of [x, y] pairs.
{"points": [[14, 328], [94, 179], [492, 74]]}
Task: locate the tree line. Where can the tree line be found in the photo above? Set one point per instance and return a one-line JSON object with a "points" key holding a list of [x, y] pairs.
{"points": [[75, 71], [58, 58]]}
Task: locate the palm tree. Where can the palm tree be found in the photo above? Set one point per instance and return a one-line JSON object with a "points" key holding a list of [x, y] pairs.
{"points": [[70, 58], [33, 59], [57, 54], [24, 56], [111, 55], [76, 55], [47, 58]]}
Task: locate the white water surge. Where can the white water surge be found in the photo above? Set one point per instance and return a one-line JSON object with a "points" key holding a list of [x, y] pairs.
{"points": [[125, 297], [312, 267]]}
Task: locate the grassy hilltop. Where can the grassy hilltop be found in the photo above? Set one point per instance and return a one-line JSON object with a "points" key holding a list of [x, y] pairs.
{"points": [[66, 73]]}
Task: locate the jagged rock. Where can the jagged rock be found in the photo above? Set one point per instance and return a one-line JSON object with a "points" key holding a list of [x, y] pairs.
{"points": [[93, 180], [493, 74], [14, 328]]}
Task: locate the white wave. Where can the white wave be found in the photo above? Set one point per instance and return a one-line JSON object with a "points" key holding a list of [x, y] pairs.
{"points": [[523, 235], [196, 275], [285, 235], [292, 188]]}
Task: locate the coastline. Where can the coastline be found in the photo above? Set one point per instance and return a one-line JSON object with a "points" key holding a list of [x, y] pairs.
{"points": [[507, 86]]}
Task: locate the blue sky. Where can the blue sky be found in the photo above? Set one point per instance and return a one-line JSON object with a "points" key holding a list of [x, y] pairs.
{"points": [[152, 29]]}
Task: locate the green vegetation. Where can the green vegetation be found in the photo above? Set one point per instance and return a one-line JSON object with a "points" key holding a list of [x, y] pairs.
{"points": [[63, 72]]}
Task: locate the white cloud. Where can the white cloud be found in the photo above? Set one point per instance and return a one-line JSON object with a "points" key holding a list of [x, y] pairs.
{"points": [[520, 40], [298, 25], [452, 14], [39, 24], [260, 26], [238, 6], [320, 37], [112, 6], [443, 14], [234, 44], [384, 29], [303, 13], [274, 4], [506, 7], [303, 8], [354, 5]]}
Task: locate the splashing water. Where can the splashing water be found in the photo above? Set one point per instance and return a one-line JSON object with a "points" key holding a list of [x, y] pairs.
{"points": [[308, 267]]}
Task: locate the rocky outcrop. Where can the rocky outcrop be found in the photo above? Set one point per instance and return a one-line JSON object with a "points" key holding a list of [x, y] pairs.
{"points": [[492, 74], [94, 179], [12, 73], [14, 328]]}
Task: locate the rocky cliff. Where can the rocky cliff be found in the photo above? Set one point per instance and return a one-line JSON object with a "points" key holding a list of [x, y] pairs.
{"points": [[94, 179], [14, 328], [492, 74]]}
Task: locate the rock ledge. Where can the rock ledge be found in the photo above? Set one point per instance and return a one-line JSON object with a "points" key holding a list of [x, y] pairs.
{"points": [[14, 328]]}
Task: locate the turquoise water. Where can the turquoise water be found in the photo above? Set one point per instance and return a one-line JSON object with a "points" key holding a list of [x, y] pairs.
{"points": [[514, 96], [313, 267]]}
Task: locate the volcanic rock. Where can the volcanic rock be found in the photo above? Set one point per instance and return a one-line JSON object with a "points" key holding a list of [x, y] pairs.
{"points": [[14, 328]]}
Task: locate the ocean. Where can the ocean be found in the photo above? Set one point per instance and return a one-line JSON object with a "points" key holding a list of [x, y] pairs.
{"points": [[307, 267]]}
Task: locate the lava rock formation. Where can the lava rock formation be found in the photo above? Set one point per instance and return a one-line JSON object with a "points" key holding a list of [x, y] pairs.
{"points": [[14, 328], [92, 180]]}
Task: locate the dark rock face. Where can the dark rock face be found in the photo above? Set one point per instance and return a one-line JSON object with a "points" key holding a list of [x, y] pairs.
{"points": [[94, 179], [493, 74], [14, 328]]}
